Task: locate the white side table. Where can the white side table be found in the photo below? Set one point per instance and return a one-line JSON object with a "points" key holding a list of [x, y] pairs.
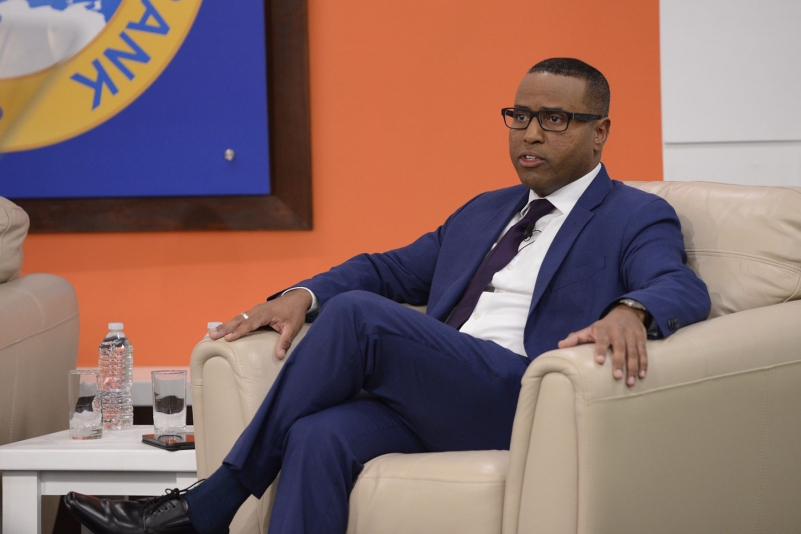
{"points": [[117, 464]]}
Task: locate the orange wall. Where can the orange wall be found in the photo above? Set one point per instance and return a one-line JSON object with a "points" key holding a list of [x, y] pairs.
{"points": [[405, 128]]}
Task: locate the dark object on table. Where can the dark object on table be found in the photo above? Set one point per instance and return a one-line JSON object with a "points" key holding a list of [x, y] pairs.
{"points": [[171, 442]]}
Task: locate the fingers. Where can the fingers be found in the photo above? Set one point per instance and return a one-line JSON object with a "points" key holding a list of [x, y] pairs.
{"points": [[632, 359], [226, 328], [244, 323], [626, 351], [619, 354], [285, 315], [577, 338], [239, 326], [588, 335], [643, 356], [288, 334], [624, 333], [625, 356]]}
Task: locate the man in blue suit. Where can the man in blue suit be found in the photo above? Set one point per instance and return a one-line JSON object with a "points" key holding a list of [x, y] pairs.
{"points": [[567, 257]]}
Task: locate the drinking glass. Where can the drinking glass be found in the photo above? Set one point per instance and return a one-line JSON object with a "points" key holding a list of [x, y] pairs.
{"points": [[86, 417], [169, 402]]}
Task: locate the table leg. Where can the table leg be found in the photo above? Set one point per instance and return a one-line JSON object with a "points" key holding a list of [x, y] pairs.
{"points": [[22, 502]]}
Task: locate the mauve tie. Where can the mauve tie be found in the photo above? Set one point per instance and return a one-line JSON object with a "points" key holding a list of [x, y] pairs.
{"points": [[498, 258]]}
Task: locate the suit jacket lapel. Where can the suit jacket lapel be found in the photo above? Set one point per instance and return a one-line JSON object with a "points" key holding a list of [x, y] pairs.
{"points": [[478, 244], [579, 216]]}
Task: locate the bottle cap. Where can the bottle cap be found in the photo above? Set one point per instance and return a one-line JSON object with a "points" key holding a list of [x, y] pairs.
{"points": [[115, 326], [213, 324]]}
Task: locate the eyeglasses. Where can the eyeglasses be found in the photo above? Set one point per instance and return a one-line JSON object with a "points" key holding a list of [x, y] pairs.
{"points": [[550, 120]]}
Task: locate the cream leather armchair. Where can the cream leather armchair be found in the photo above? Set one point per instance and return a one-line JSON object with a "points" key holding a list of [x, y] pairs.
{"points": [[38, 344], [710, 441]]}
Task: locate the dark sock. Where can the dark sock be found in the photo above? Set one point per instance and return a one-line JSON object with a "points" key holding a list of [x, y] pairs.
{"points": [[214, 502]]}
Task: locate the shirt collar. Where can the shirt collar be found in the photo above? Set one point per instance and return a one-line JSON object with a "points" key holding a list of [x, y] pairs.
{"points": [[565, 198]]}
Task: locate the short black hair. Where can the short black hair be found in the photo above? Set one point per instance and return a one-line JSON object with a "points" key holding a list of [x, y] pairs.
{"points": [[597, 93]]}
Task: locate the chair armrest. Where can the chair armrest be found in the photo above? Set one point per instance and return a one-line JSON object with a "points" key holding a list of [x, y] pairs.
{"points": [[229, 382], [39, 328], [707, 442]]}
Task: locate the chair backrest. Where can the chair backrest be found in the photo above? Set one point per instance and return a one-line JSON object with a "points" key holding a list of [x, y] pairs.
{"points": [[13, 229], [743, 241]]}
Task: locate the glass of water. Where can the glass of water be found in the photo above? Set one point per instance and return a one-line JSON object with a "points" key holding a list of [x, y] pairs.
{"points": [[169, 402], [86, 417]]}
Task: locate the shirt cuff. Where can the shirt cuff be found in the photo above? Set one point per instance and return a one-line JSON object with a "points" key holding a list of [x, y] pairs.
{"points": [[315, 306]]}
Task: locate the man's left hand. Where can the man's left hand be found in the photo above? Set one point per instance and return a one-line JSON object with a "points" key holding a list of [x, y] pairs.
{"points": [[623, 331]]}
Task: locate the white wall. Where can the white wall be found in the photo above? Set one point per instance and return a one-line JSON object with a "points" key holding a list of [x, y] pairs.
{"points": [[731, 90]]}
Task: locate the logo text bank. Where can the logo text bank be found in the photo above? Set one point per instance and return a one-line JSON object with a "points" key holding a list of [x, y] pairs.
{"points": [[150, 22]]}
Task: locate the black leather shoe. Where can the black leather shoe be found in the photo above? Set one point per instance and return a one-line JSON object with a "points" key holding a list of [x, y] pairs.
{"points": [[168, 514]]}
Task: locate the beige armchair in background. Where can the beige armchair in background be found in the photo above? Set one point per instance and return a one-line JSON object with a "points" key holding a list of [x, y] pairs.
{"points": [[38, 345], [709, 442]]}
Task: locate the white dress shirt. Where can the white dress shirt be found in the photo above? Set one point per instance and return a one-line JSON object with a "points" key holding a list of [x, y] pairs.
{"points": [[501, 315]]}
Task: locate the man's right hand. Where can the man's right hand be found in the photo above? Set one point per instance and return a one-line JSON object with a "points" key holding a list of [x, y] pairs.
{"points": [[285, 315]]}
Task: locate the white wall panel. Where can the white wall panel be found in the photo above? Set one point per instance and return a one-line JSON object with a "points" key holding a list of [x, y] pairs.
{"points": [[731, 77], [734, 163]]}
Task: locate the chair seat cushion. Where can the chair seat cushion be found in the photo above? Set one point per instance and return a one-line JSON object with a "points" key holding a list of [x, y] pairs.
{"points": [[458, 492]]}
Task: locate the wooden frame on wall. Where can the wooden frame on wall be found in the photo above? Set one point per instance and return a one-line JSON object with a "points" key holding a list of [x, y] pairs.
{"points": [[288, 206]]}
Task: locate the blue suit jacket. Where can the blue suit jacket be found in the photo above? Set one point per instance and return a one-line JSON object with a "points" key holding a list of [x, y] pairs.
{"points": [[617, 242]]}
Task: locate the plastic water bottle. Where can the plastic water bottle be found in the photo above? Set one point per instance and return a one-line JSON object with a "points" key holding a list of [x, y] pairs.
{"points": [[115, 360]]}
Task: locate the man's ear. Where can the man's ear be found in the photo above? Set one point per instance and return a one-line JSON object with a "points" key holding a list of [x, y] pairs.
{"points": [[601, 132]]}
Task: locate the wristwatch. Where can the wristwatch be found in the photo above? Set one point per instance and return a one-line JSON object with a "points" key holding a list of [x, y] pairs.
{"points": [[650, 323], [631, 303]]}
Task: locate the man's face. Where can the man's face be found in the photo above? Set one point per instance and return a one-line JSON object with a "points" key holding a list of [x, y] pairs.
{"points": [[547, 161]]}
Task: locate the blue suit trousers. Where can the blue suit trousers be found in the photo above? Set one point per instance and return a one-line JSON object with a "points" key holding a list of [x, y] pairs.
{"points": [[371, 377]]}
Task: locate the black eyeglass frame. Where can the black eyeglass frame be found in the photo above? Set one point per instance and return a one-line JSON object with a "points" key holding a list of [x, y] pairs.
{"points": [[570, 116]]}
